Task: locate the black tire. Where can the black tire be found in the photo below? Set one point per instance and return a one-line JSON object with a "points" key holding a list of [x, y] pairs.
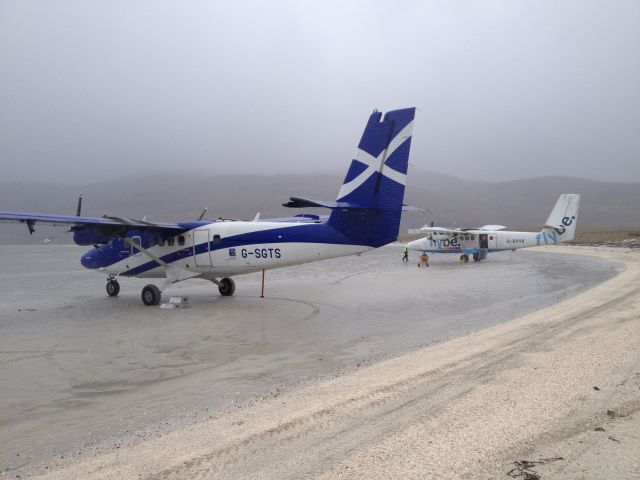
{"points": [[227, 287], [113, 288], [464, 258], [476, 257], [151, 295]]}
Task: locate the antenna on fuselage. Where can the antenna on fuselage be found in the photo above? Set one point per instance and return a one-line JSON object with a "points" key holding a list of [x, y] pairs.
{"points": [[79, 209], [202, 214]]}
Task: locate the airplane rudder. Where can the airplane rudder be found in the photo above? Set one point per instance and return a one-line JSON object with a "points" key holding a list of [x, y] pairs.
{"points": [[564, 216], [383, 150], [376, 178]]}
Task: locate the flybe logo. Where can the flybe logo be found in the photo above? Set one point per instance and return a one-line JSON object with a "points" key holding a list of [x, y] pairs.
{"points": [[566, 222], [447, 243], [547, 238]]}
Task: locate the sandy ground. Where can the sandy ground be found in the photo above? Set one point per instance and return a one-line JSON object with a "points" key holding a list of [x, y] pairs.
{"points": [[82, 374], [552, 394]]}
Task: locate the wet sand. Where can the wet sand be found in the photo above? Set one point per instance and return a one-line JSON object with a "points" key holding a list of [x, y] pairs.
{"points": [[351, 413]]}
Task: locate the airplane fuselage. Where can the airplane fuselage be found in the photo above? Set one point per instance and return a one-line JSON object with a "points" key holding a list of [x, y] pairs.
{"points": [[222, 249], [473, 240]]}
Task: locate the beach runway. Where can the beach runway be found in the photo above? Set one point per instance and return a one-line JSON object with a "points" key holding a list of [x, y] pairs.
{"points": [[359, 367]]}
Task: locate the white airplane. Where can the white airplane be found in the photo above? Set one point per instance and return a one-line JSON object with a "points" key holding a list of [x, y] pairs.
{"points": [[477, 242], [366, 215]]}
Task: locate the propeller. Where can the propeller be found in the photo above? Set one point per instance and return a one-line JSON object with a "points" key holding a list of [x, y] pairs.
{"points": [[202, 214], [79, 209]]}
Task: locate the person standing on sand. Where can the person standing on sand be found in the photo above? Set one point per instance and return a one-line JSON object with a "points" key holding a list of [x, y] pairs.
{"points": [[405, 257]]}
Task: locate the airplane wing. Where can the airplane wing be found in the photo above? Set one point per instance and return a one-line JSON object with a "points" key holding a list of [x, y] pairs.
{"points": [[441, 230], [107, 224], [491, 227], [455, 231]]}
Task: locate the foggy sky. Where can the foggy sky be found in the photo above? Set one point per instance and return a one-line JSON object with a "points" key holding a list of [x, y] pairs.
{"points": [[505, 89]]}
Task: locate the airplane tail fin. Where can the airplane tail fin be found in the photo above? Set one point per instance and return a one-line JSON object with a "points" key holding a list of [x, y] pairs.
{"points": [[561, 224], [370, 200]]}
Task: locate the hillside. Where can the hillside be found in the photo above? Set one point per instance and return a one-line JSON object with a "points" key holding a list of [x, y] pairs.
{"points": [[449, 200]]}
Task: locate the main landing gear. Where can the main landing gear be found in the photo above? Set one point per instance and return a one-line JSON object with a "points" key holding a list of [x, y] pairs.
{"points": [[151, 294], [464, 258], [226, 286]]}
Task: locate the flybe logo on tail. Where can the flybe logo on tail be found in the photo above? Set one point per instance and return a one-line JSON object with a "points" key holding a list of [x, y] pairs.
{"points": [[377, 164], [551, 237]]}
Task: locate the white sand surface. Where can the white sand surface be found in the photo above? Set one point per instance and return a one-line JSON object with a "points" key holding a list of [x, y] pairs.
{"points": [[465, 408]]}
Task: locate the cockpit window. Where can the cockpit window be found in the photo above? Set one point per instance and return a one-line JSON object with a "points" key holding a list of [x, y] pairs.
{"points": [[181, 240]]}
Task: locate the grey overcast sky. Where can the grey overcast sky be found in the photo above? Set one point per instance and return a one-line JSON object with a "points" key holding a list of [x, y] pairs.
{"points": [[92, 89]]}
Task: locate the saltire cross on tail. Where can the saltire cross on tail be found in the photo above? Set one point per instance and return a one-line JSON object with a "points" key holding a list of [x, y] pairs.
{"points": [[365, 215], [478, 242]]}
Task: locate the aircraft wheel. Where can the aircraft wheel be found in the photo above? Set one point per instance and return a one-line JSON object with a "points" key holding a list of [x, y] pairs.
{"points": [[227, 287], [113, 288], [476, 257], [464, 258], [151, 295]]}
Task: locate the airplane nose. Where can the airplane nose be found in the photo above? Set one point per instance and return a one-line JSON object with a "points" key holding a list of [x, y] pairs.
{"points": [[414, 245]]}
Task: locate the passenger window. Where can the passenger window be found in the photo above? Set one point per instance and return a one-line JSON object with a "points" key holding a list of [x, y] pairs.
{"points": [[491, 237], [181, 240], [161, 242], [170, 241], [216, 239]]}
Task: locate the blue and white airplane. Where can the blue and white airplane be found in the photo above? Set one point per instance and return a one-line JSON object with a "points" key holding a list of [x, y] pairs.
{"points": [[477, 242], [366, 215]]}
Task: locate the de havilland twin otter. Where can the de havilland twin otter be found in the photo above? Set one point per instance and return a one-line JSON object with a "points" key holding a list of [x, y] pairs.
{"points": [[477, 242], [365, 215]]}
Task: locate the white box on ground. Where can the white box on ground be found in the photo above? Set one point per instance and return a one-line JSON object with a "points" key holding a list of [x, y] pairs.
{"points": [[176, 302]]}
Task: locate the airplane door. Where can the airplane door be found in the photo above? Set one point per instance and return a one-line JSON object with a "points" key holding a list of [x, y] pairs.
{"points": [[484, 240], [201, 248]]}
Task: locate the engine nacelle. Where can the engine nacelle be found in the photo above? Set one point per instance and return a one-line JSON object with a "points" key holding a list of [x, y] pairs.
{"points": [[90, 236]]}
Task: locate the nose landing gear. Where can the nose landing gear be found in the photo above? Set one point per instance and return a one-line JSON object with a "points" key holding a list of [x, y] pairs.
{"points": [[113, 287]]}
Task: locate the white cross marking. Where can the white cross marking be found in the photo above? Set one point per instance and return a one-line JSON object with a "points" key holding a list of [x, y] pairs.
{"points": [[376, 164]]}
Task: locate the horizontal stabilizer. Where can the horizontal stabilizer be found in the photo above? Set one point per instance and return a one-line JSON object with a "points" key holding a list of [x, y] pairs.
{"points": [[301, 218], [411, 208], [300, 202]]}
